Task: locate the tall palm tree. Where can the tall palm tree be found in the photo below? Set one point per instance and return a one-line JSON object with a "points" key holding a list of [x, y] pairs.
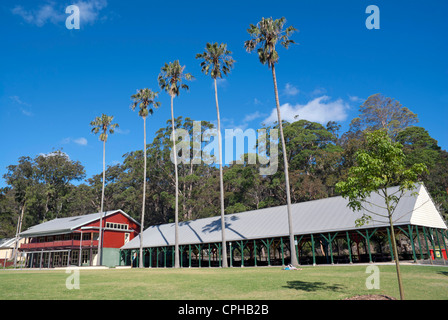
{"points": [[216, 61], [265, 36], [104, 125], [171, 80], [145, 100]]}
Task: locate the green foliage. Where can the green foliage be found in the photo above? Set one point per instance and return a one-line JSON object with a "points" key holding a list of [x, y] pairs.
{"points": [[318, 159], [171, 78], [103, 124], [379, 166], [145, 99], [380, 112], [265, 36], [216, 60]]}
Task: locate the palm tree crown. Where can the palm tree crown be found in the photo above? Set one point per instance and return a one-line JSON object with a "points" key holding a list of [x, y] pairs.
{"points": [[145, 99], [171, 78], [216, 60], [103, 124], [265, 35]]}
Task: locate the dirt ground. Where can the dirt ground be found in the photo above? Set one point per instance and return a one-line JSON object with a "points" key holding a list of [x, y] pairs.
{"points": [[371, 297]]}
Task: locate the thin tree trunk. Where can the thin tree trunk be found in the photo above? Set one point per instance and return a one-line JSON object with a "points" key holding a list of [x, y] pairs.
{"points": [[394, 246], [294, 260], [140, 263], [100, 239], [176, 213], [221, 184]]}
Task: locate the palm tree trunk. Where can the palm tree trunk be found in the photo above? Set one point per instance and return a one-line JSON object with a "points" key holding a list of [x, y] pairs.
{"points": [[176, 213], [140, 263], [221, 184], [285, 160], [19, 229], [100, 239]]}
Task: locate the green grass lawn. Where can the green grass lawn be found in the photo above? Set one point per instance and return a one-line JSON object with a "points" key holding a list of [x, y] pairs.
{"points": [[322, 282]]}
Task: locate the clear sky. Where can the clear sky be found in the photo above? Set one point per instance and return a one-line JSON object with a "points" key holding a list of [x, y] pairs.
{"points": [[54, 81]]}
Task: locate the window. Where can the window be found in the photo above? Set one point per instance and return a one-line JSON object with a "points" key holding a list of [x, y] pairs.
{"points": [[76, 236], [86, 236], [85, 256], [64, 258], [56, 259], [58, 238], [67, 236], [74, 259], [117, 226]]}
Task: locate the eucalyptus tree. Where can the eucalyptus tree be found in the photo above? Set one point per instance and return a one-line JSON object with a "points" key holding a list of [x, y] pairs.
{"points": [[216, 61], [103, 125], [171, 79], [264, 37], [145, 100]]}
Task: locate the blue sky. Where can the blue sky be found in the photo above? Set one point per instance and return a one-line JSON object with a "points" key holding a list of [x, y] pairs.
{"points": [[54, 81]]}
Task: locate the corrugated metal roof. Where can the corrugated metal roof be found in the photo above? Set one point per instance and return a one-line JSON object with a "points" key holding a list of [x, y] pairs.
{"points": [[318, 216], [7, 243], [66, 225]]}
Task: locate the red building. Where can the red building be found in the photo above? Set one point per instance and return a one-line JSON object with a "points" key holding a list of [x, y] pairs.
{"points": [[73, 241]]}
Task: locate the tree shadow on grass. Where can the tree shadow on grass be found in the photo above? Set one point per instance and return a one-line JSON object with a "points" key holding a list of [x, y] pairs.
{"points": [[445, 273], [312, 286]]}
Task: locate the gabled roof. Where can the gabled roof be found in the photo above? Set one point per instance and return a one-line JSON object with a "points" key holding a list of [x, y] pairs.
{"points": [[8, 243], [67, 225], [318, 216]]}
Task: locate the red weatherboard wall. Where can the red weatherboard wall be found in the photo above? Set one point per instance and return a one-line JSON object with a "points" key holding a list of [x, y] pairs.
{"points": [[115, 238]]}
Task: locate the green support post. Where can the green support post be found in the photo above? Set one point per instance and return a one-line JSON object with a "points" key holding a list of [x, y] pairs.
{"points": [[433, 244], [164, 256], [297, 248], [390, 244], [208, 253], [189, 256], [419, 243], [440, 247], [312, 245], [231, 254], [330, 244], [283, 258], [444, 242], [181, 255], [409, 235], [427, 244], [218, 246], [368, 245], [255, 253], [199, 254], [367, 237], [349, 247], [242, 245], [411, 238], [268, 246]]}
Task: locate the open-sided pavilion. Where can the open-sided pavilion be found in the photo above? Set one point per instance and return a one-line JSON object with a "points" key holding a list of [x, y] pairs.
{"points": [[325, 233]]}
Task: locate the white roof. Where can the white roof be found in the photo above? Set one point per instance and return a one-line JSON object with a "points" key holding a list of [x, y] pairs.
{"points": [[8, 243], [318, 216], [67, 225]]}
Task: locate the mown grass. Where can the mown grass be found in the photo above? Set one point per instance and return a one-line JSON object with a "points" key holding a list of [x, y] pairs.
{"points": [[316, 283]]}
